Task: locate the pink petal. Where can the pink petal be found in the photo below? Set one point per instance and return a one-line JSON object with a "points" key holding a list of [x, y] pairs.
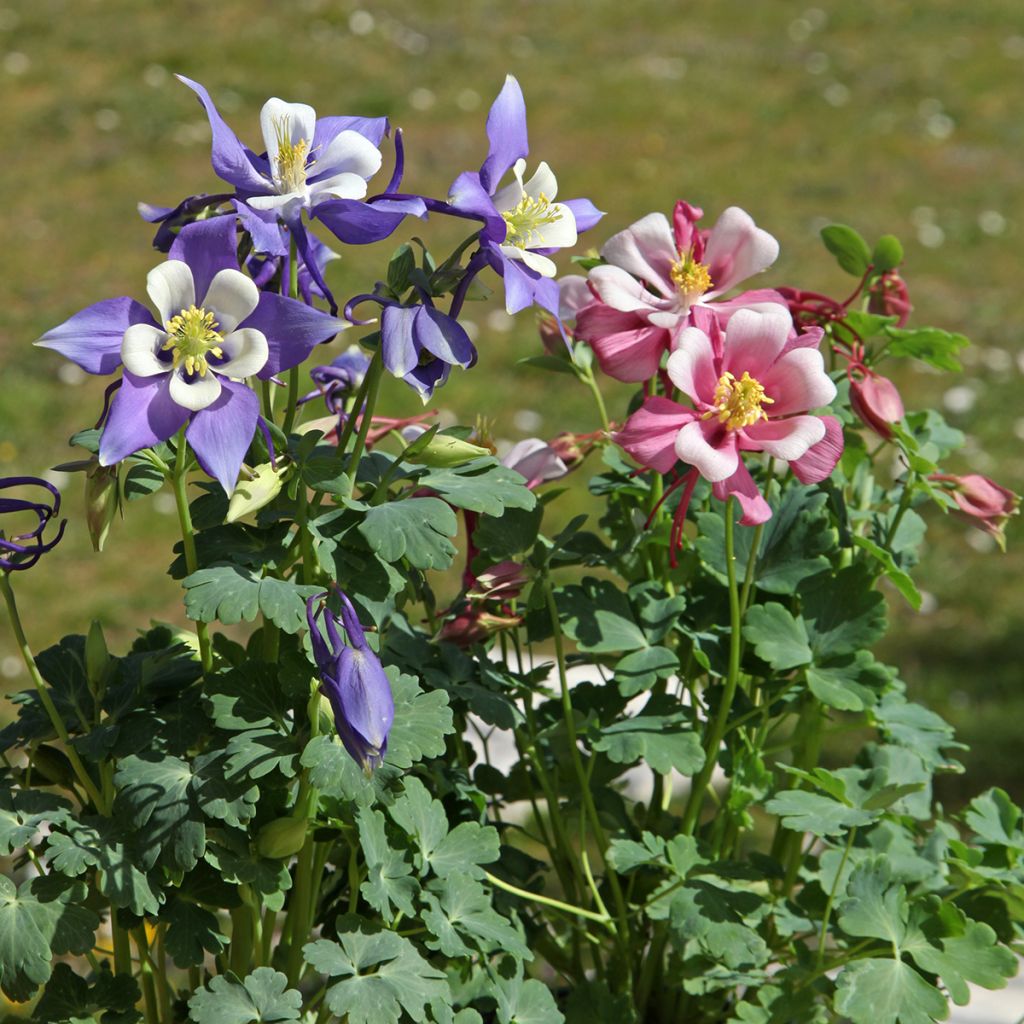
{"points": [[787, 439], [573, 294], [761, 300], [821, 458], [649, 434], [709, 448], [753, 341], [626, 346], [797, 382], [692, 365], [741, 486], [623, 292], [647, 250], [737, 249]]}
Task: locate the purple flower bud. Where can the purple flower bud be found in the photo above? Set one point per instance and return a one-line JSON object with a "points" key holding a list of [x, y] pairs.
{"points": [[353, 680], [23, 550]]}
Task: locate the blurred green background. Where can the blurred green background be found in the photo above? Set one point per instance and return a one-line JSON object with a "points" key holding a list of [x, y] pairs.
{"points": [[889, 115]]}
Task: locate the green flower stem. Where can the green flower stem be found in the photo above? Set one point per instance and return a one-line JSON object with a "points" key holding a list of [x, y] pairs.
{"points": [[372, 385], [241, 939], [548, 901], [162, 987], [351, 411], [83, 776], [901, 510], [122, 946], [832, 898], [309, 563], [293, 374], [755, 544], [267, 927], [691, 815], [587, 376], [622, 931], [267, 394], [188, 539], [147, 972]]}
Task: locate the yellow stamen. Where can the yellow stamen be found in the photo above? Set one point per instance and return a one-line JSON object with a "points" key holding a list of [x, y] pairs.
{"points": [[738, 402], [692, 279], [525, 220], [291, 158], [193, 337]]}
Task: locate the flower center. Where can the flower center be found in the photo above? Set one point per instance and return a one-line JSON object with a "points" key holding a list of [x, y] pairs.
{"points": [[291, 158], [692, 279], [738, 402], [525, 220], [193, 336]]}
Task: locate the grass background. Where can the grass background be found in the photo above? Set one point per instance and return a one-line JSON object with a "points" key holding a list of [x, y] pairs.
{"points": [[889, 115]]}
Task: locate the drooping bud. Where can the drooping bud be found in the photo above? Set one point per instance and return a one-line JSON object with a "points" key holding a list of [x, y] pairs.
{"points": [[443, 451], [96, 656], [551, 335], [102, 500], [501, 582], [251, 495], [874, 399], [282, 838], [888, 296], [982, 502]]}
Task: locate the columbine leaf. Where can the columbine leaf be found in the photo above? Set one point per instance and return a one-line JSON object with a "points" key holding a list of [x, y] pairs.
{"points": [[389, 875], [878, 991], [462, 914], [263, 996], [42, 919], [21, 814], [483, 485], [192, 933], [228, 594], [852, 683], [995, 820], [598, 617], [69, 997], [913, 726], [875, 908], [663, 741], [929, 345], [381, 975], [897, 577], [820, 815], [525, 1002], [842, 613], [641, 669], [417, 529], [778, 637], [422, 721]]}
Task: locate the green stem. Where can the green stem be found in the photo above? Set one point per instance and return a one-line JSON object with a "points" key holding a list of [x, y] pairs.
{"points": [[691, 815], [241, 939], [83, 776], [293, 374], [188, 539], [122, 947], [832, 898], [268, 400], [352, 413], [548, 901], [901, 511], [147, 972], [309, 563], [372, 384], [587, 376]]}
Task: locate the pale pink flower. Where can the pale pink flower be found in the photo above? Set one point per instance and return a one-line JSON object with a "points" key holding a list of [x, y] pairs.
{"points": [[875, 399], [656, 274], [984, 503], [752, 386]]}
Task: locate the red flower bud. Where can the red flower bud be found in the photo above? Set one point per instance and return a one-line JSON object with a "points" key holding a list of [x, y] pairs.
{"points": [[551, 337], [981, 501], [888, 296], [874, 399]]}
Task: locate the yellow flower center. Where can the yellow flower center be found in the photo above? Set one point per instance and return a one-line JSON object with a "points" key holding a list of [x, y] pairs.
{"points": [[692, 279], [525, 220], [193, 336], [738, 402], [291, 158]]}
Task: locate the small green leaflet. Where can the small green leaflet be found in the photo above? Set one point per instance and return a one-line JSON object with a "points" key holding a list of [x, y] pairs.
{"points": [[461, 913], [192, 933], [389, 874], [228, 594], [483, 486], [525, 1002], [263, 996], [928, 344], [816, 813], [70, 998], [778, 638], [597, 615], [878, 991], [852, 253], [663, 741], [417, 529]]}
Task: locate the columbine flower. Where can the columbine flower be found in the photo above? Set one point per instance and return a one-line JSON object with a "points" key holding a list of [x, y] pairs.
{"points": [[536, 461], [523, 223], [656, 274], [874, 399], [342, 377], [353, 680], [751, 386], [23, 550], [214, 329], [982, 502]]}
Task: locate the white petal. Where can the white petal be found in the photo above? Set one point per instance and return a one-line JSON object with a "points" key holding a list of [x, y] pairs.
{"points": [[171, 288], [296, 121], [714, 463], [623, 292], [139, 348], [278, 202], [533, 260], [507, 198], [348, 151], [247, 353], [345, 185], [203, 391], [231, 297], [646, 249], [542, 183], [560, 233]]}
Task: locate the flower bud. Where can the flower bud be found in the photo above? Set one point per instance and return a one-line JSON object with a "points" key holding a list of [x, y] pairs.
{"points": [[888, 296], [282, 838], [444, 450], [551, 335], [251, 495], [96, 655], [53, 765], [501, 582], [875, 400], [981, 501], [101, 502]]}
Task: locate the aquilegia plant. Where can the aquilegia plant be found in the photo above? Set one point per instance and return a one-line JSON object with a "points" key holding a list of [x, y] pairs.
{"points": [[583, 775]]}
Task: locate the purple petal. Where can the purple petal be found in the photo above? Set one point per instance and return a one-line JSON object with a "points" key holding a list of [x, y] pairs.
{"points": [[585, 212], [207, 246], [423, 379], [142, 414], [520, 281], [367, 705], [231, 160], [264, 229], [304, 245], [506, 131], [92, 337], [292, 330], [221, 433], [444, 337], [468, 198], [398, 347], [329, 128], [357, 223]]}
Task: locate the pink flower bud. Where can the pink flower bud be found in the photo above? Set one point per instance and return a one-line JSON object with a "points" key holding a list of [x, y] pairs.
{"points": [[550, 335], [501, 582], [874, 399], [981, 501], [472, 626], [888, 296]]}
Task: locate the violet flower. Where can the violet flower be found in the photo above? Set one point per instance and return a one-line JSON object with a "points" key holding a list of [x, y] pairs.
{"points": [[353, 680], [523, 223], [23, 550], [342, 377], [217, 328]]}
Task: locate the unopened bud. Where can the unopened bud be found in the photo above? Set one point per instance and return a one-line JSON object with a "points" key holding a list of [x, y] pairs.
{"points": [[251, 495], [96, 656], [888, 296], [443, 451], [551, 336], [53, 765], [982, 502], [875, 399], [101, 502], [282, 838]]}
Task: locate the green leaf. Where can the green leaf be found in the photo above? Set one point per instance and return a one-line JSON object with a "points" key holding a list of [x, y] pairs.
{"points": [[141, 480], [916, 727], [778, 638], [525, 1002], [928, 345], [641, 669], [852, 683], [995, 820], [842, 613], [820, 815], [888, 254], [381, 975], [548, 363], [192, 932], [597, 615], [896, 576], [462, 914], [416, 529], [422, 721], [663, 741], [228, 594], [70, 998], [678, 855], [388, 874], [42, 919], [483, 485], [880, 991], [263, 996], [875, 908], [21, 814], [850, 250]]}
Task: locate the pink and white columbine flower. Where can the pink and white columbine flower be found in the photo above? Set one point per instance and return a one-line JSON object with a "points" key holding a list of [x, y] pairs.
{"points": [[752, 386], [656, 274]]}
